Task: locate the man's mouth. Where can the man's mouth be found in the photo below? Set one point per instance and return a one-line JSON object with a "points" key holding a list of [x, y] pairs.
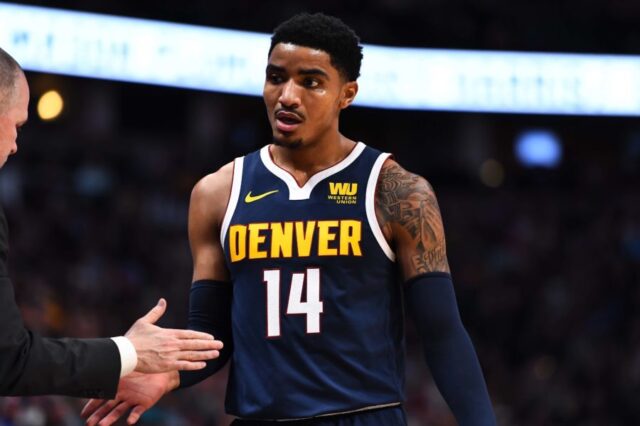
{"points": [[287, 121]]}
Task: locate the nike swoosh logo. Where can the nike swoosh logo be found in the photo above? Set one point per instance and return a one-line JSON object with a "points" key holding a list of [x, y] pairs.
{"points": [[251, 198]]}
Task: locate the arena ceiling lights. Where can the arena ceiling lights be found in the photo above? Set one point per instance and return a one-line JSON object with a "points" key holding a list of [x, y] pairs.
{"points": [[188, 56]]}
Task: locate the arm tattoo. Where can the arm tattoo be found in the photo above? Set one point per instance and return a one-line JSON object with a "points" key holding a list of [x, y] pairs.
{"points": [[407, 209]]}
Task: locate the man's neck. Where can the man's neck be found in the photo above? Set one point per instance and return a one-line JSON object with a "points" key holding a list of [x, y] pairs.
{"points": [[307, 160]]}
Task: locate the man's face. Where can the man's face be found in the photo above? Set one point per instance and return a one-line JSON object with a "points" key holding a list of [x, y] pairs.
{"points": [[304, 94], [12, 117]]}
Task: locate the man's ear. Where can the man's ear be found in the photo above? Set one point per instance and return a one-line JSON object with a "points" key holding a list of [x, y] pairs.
{"points": [[349, 92]]}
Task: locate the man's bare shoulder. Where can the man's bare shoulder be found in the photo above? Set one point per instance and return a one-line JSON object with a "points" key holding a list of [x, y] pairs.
{"points": [[395, 178], [216, 183], [211, 193], [396, 186], [409, 215]]}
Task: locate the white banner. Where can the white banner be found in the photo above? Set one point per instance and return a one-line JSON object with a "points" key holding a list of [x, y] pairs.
{"points": [[162, 53]]}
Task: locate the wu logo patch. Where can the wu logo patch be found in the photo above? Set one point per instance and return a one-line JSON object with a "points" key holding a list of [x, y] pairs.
{"points": [[342, 188], [343, 192]]}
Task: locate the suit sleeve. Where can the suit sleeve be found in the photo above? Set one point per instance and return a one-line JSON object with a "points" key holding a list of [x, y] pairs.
{"points": [[34, 365]]}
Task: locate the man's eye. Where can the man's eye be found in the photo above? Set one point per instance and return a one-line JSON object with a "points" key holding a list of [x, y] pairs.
{"points": [[311, 82], [274, 78]]}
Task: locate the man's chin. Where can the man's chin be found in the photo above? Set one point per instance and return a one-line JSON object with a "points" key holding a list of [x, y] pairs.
{"points": [[289, 143]]}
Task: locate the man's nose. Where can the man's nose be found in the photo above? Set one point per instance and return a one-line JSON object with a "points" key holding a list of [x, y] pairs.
{"points": [[290, 95]]}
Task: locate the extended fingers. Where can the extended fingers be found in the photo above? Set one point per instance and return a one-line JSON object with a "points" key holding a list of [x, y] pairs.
{"points": [[190, 334], [102, 411], [115, 414], [90, 407], [135, 414], [199, 344], [187, 365], [197, 355]]}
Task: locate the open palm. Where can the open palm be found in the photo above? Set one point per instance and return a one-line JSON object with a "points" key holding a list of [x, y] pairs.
{"points": [[136, 391]]}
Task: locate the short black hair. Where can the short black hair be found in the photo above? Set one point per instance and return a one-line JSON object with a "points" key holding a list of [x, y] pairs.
{"points": [[326, 33], [9, 72]]}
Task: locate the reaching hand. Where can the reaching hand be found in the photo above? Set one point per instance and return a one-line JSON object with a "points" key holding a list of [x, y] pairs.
{"points": [[137, 391], [163, 349]]}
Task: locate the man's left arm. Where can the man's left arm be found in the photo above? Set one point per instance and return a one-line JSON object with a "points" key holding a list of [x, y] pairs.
{"points": [[408, 213]]}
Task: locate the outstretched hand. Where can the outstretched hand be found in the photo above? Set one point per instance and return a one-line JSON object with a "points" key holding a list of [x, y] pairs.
{"points": [[164, 349], [136, 392]]}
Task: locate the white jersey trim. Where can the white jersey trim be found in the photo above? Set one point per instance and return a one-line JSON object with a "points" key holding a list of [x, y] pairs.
{"points": [[338, 413], [304, 193], [233, 198], [371, 207]]}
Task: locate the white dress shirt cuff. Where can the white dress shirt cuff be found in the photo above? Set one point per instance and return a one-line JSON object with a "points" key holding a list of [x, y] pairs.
{"points": [[128, 355]]}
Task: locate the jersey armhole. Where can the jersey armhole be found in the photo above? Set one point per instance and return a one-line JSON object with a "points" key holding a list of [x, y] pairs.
{"points": [[236, 182], [372, 184]]}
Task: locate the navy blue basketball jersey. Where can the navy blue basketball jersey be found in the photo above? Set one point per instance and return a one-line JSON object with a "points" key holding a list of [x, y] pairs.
{"points": [[316, 313]]}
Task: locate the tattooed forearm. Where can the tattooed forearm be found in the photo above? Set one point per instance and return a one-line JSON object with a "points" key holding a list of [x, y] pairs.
{"points": [[409, 215]]}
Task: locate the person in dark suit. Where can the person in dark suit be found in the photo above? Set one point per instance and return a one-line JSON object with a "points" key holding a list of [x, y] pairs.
{"points": [[90, 368]]}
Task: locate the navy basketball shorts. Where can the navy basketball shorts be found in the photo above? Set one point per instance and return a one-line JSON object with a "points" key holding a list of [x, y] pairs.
{"points": [[393, 416]]}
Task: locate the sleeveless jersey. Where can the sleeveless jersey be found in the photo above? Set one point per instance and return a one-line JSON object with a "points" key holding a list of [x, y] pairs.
{"points": [[316, 313]]}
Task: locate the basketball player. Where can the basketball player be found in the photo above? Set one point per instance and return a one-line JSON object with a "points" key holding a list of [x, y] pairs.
{"points": [[309, 235], [35, 365]]}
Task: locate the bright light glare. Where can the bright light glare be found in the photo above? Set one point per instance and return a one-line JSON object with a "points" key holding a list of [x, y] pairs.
{"points": [[538, 148], [50, 105]]}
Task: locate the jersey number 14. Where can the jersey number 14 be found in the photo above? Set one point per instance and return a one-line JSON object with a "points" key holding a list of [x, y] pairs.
{"points": [[311, 307]]}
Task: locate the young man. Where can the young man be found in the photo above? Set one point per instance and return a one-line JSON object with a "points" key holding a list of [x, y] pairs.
{"points": [[32, 365], [310, 234]]}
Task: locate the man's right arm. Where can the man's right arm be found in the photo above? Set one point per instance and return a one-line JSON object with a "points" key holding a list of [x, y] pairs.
{"points": [[211, 292], [34, 365], [89, 368], [31, 365], [207, 207], [138, 393]]}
